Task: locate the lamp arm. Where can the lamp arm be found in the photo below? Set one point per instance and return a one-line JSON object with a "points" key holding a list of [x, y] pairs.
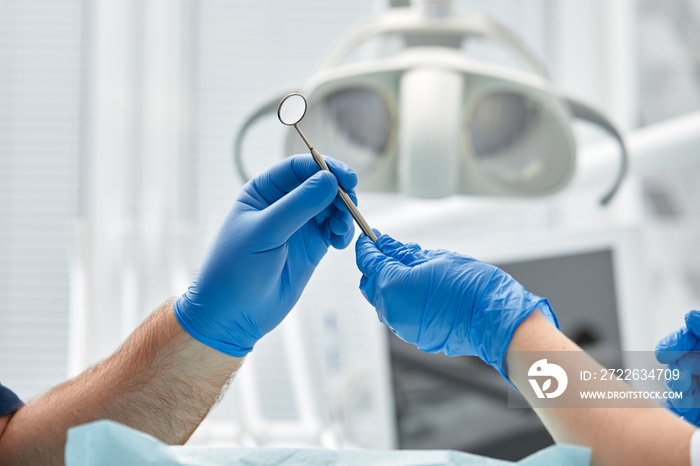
{"points": [[410, 21], [585, 112], [268, 106]]}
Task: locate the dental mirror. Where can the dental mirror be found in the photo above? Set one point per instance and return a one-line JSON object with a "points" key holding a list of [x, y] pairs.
{"points": [[290, 111]]}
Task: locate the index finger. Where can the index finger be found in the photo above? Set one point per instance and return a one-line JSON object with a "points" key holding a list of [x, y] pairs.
{"points": [[288, 174], [675, 345], [369, 258], [692, 321], [407, 254]]}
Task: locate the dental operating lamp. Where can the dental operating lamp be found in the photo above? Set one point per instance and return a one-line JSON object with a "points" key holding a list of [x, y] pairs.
{"points": [[402, 104]]}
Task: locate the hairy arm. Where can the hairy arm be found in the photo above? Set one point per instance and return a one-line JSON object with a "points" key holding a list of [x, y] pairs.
{"points": [[161, 381], [167, 375], [639, 435]]}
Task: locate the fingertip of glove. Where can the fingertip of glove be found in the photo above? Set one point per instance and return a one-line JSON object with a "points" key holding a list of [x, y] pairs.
{"points": [[387, 243], [383, 240], [327, 183], [364, 238], [692, 321], [341, 223], [361, 244], [667, 354], [674, 345], [659, 352], [342, 241], [326, 175], [365, 253], [352, 195], [348, 178]]}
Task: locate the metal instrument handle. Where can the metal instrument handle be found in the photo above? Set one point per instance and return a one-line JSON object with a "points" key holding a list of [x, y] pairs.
{"points": [[364, 226]]}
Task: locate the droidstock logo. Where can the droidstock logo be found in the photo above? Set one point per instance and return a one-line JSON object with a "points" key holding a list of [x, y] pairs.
{"points": [[542, 370]]}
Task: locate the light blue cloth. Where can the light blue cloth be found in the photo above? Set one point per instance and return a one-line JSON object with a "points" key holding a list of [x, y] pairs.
{"points": [[106, 443]]}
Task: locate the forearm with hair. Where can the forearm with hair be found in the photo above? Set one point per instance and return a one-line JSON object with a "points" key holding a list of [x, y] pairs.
{"points": [[161, 381]]}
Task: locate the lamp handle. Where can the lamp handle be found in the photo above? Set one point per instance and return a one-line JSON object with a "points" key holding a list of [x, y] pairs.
{"points": [[268, 106], [585, 112]]}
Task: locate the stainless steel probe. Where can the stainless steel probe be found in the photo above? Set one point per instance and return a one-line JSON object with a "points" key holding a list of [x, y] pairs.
{"points": [[290, 111]]}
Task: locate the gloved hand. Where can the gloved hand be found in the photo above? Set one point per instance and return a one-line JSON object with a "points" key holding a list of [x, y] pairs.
{"points": [[276, 233], [681, 350], [442, 301]]}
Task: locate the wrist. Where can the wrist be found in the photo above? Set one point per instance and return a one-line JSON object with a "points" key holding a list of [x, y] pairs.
{"points": [[527, 305], [198, 323], [197, 357], [161, 366], [536, 332]]}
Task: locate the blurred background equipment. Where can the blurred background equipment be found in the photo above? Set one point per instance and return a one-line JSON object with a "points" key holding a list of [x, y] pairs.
{"points": [[401, 100], [116, 131]]}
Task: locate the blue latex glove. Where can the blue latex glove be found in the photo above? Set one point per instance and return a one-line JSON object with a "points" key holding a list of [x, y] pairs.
{"points": [[681, 350], [442, 301], [276, 233]]}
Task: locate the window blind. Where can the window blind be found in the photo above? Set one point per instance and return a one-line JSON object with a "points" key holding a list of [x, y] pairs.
{"points": [[40, 90]]}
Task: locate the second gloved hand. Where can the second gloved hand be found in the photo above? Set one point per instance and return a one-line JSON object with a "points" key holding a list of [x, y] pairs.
{"points": [[442, 301], [681, 351], [276, 233]]}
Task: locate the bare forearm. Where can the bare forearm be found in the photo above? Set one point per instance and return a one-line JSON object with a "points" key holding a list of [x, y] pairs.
{"points": [[161, 381], [624, 435]]}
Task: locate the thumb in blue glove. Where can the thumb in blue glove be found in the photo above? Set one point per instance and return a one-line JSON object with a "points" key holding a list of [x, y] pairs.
{"points": [[276, 233], [442, 301], [681, 351]]}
